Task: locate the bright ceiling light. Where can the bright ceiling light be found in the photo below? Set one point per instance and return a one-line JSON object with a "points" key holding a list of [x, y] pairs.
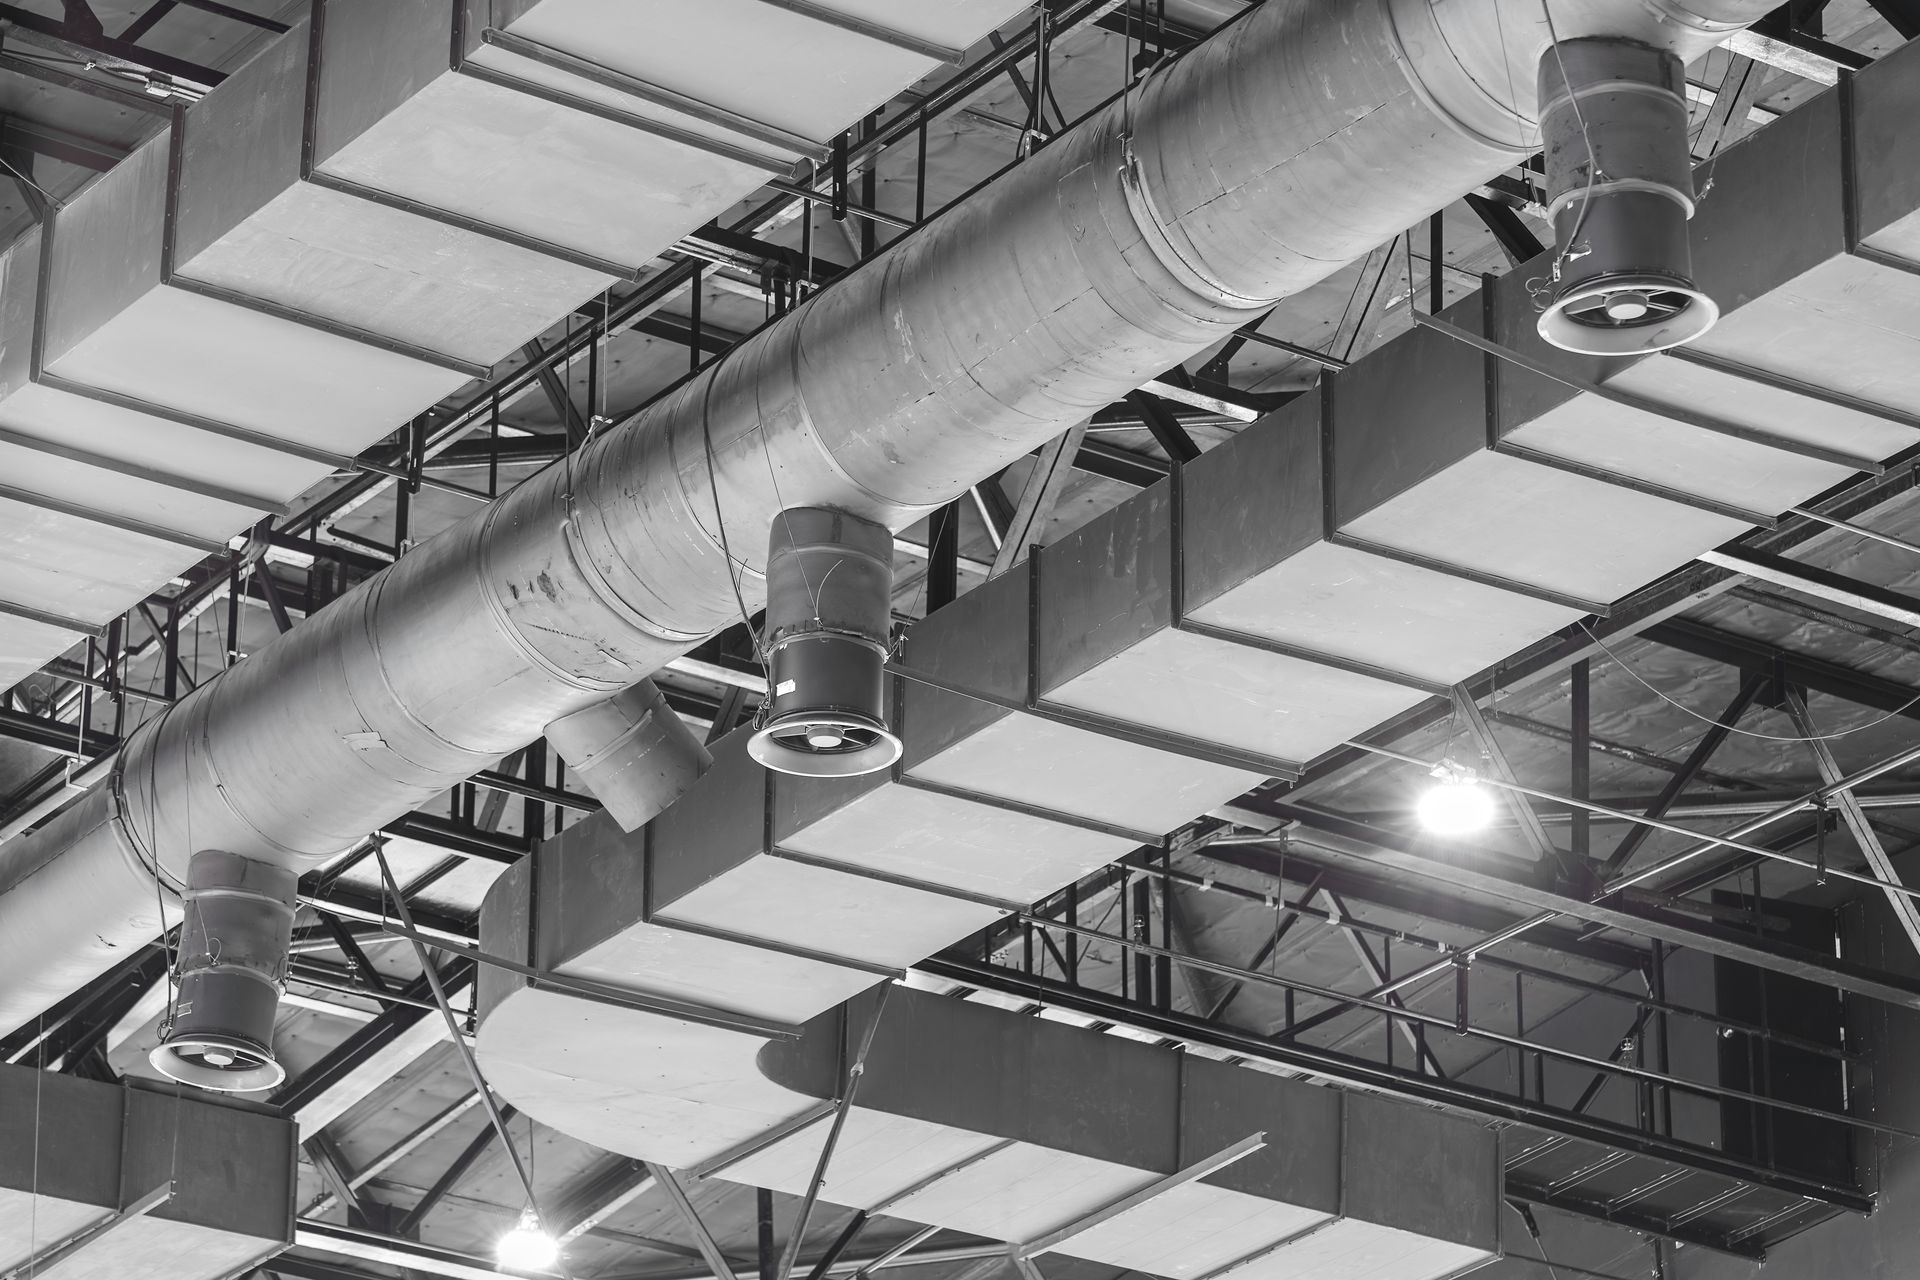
{"points": [[527, 1247], [1456, 804]]}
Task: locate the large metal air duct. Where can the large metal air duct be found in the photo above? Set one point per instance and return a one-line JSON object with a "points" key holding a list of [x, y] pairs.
{"points": [[1251, 167]]}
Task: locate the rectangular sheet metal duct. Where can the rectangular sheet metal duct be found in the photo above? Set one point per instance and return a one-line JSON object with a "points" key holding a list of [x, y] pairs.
{"points": [[94, 1151]]}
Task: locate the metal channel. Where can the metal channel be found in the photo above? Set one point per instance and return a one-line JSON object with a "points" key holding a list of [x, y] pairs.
{"points": [[47, 1259], [126, 524], [871, 30], [660, 96], [57, 621], [352, 333], [1653, 489], [659, 129], [1340, 1068], [474, 226], [1139, 735], [761, 1142], [778, 948], [198, 422], [1153, 1190], [1597, 608], [907, 780], [579, 988], [165, 479], [1793, 386], [1719, 426], [1283, 650], [898, 881], [938, 1176]]}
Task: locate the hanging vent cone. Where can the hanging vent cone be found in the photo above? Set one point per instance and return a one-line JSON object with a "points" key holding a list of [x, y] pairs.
{"points": [[829, 598], [233, 963], [1613, 118]]}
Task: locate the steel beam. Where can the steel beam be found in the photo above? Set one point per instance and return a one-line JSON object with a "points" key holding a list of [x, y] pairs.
{"points": [[1510, 231], [602, 1196], [1812, 580], [369, 1057], [1816, 674], [1905, 910], [709, 1248], [1340, 1068], [1517, 804], [1689, 771], [1328, 839], [476, 1149]]}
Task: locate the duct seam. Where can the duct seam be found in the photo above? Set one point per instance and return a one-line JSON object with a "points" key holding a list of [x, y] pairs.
{"points": [[1158, 235], [889, 290], [503, 623], [146, 865], [1404, 53], [388, 697]]}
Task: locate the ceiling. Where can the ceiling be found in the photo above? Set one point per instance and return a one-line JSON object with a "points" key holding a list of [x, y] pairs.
{"points": [[1641, 689]]}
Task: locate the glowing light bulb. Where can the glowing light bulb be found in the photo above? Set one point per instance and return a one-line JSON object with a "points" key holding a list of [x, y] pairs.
{"points": [[1456, 804], [527, 1247]]}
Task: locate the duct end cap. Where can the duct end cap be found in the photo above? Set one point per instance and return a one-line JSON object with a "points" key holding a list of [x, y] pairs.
{"points": [[221, 1063], [825, 744], [1628, 315]]}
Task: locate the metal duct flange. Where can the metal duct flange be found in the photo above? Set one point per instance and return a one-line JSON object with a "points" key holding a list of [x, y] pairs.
{"points": [[829, 613], [233, 963], [1620, 192], [633, 752]]}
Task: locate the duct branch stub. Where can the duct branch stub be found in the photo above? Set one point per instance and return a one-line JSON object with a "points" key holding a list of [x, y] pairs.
{"points": [[829, 614], [231, 967], [1613, 115], [633, 752]]}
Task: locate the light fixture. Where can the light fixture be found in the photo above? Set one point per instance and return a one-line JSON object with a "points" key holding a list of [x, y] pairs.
{"points": [[527, 1247], [1456, 804]]}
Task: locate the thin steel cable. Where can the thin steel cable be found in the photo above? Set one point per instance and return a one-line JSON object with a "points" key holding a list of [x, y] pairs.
{"points": [[1677, 705], [390, 889]]}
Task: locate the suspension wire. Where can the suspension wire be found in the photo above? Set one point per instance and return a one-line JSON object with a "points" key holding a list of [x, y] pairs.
{"points": [[390, 889], [1652, 870], [1677, 705], [1727, 842]]}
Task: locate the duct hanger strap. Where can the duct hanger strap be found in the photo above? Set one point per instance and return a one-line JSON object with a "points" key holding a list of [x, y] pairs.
{"points": [[1158, 234], [605, 592]]}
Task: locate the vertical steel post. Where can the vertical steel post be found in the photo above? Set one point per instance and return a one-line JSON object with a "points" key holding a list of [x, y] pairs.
{"points": [[1581, 779], [943, 557], [769, 1260], [869, 193], [694, 291], [1436, 260]]}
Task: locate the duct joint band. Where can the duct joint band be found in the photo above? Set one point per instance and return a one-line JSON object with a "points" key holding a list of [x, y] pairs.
{"points": [[145, 862], [604, 591], [1523, 128], [1157, 233], [504, 624], [1620, 186], [384, 695]]}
